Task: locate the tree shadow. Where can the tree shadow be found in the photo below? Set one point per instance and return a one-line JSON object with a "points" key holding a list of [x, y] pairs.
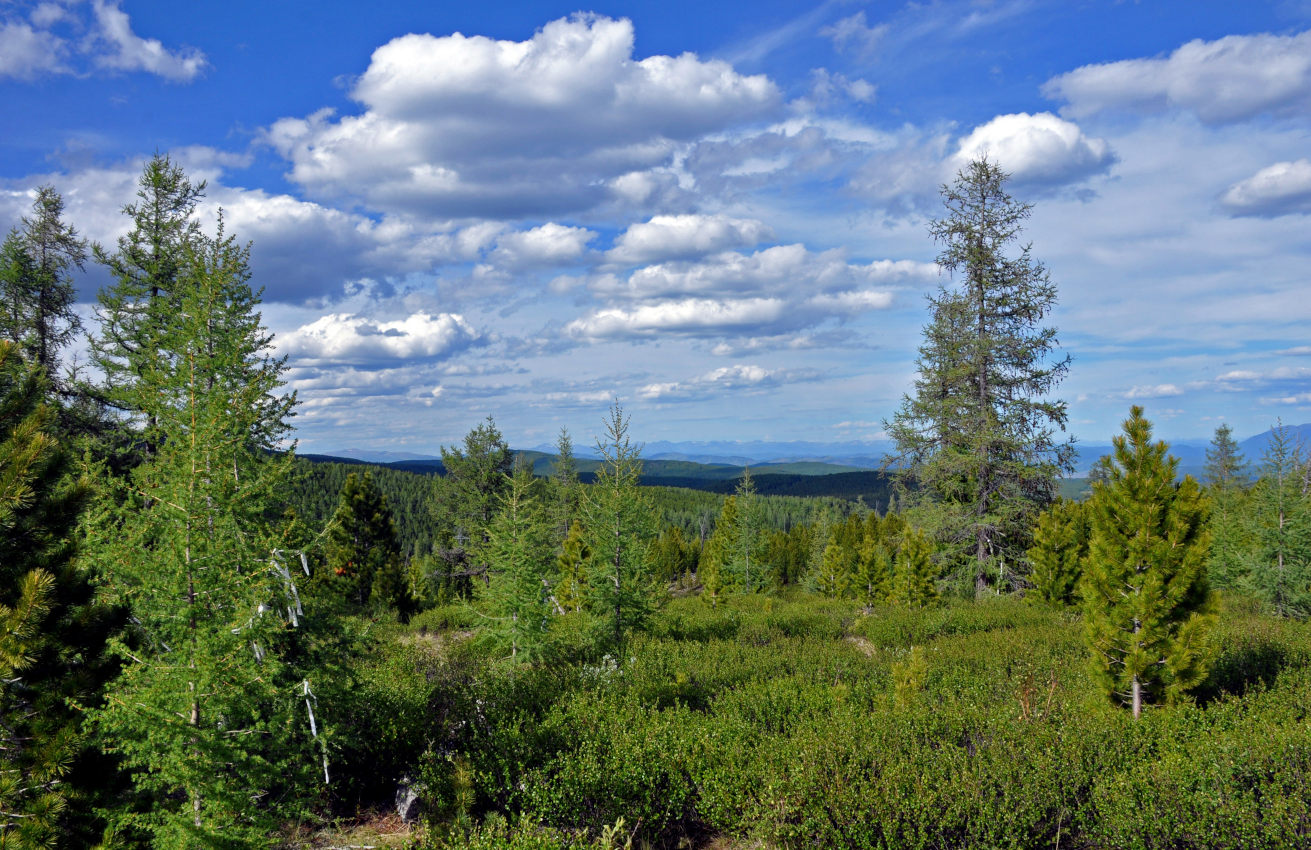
{"points": [[1255, 666]]}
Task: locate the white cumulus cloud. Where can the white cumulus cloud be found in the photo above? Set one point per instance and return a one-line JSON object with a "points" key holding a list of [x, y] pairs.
{"points": [[717, 381], [345, 338], [1039, 148], [1279, 189], [676, 237], [467, 125], [548, 245], [26, 52], [1155, 391], [1230, 79]]}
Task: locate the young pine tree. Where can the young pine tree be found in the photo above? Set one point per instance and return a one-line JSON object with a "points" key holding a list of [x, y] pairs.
{"points": [[517, 599], [1279, 526], [915, 582], [1060, 544], [207, 714], [618, 528], [1148, 609], [713, 569], [571, 570], [52, 630]]}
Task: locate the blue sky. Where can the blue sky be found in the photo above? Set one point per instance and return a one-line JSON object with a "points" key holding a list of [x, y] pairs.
{"points": [[717, 218]]}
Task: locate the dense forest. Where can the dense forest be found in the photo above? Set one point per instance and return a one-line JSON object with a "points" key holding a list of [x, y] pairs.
{"points": [[206, 641]]}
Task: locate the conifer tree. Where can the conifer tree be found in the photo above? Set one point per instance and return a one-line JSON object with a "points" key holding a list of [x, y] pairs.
{"points": [[140, 305], [976, 443], [874, 572], [744, 537], [362, 565], [571, 563], [1226, 479], [1060, 544], [915, 580], [52, 630], [36, 281], [713, 569], [564, 481], [1279, 518], [517, 598], [468, 496], [618, 528], [1148, 609], [207, 713]]}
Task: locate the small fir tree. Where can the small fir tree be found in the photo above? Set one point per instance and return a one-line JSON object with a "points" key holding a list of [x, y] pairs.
{"points": [[1227, 482], [1148, 609], [744, 540], [468, 496], [874, 573], [712, 571]]}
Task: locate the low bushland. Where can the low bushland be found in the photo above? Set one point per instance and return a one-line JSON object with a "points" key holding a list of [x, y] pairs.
{"points": [[809, 722]]}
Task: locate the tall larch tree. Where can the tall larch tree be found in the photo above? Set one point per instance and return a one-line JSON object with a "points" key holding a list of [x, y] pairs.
{"points": [[745, 543], [207, 714], [564, 484], [1148, 608], [619, 524], [142, 301], [977, 445]]}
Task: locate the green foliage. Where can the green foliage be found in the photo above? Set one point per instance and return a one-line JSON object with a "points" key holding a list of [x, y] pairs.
{"points": [[1148, 608], [36, 282], [977, 439], [712, 569], [52, 630], [468, 496], [1060, 544], [571, 566], [1279, 526], [516, 597], [744, 539], [1227, 484], [361, 569], [208, 712], [916, 575], [618, 529]]}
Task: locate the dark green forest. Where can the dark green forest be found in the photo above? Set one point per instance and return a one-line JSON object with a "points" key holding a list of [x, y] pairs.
{"points": [[209, 641]]}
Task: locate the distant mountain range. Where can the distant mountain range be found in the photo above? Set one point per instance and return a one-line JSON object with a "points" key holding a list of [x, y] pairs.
{"points": [[811, 458]]}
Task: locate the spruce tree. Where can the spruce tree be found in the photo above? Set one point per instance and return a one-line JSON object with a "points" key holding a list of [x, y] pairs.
{"points": [[875, 570], [1148, 609], [1060, 544], [468, 496], [1279, 525], [208, 713], [362, 563], [748, 576], [618, 529], [517, 599], [713, 570], [977, 448]]}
